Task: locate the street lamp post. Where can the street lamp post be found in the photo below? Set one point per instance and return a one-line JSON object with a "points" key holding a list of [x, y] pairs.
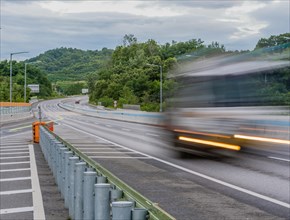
{"points": [[160, 69], [11, 54]]}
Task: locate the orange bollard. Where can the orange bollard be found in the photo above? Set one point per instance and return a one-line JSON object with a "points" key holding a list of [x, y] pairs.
{"points": [[50, 125], [35, 130]]}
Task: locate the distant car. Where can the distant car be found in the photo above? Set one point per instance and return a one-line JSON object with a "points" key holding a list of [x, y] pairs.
{"points": [[77, 102]]}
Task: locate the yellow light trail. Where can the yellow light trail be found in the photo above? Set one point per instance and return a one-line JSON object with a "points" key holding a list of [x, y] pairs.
{"points": [[211, 143], [279, 141]]}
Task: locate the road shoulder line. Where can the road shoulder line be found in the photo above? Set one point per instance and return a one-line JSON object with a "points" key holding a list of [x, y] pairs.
{"points": [[36, 193]]}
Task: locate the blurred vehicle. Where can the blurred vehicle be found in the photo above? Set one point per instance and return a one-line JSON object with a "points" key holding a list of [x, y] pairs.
{"points": [[77, 102], [230, 103]]}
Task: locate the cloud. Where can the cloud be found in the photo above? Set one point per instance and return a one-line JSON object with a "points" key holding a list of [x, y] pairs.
{"points": [[37, 26], [127, 7]]}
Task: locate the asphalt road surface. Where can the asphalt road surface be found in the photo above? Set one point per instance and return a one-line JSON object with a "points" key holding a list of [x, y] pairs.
{"points": [[242, 186]]}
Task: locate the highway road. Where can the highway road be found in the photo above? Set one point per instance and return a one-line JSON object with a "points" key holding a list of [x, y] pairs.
{"points": [[243, 186]]}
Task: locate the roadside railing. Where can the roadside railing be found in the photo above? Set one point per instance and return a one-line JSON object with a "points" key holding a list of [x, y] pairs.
{"points": [[14, 107], [12, 111], [129, 116], [89, 190]]}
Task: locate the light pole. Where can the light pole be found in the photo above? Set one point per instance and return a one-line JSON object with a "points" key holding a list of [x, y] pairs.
{"points": [[160, 68], [11, 54], [25, 70]]}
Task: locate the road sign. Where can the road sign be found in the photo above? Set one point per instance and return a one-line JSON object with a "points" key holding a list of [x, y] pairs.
{"points": [[34, 88]]}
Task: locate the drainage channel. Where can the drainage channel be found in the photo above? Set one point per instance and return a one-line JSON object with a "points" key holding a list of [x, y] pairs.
{"points": [[90, 191]]}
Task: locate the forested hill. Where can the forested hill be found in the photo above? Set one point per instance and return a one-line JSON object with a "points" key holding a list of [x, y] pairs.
{"points": [[71, 64]]}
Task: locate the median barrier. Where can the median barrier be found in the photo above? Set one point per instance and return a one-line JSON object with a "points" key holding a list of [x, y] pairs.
{"points": [[89, 190], [14, 111], [129, 116]]}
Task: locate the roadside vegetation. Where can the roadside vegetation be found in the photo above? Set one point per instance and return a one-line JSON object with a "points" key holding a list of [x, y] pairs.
{"points": [[129, 74]]}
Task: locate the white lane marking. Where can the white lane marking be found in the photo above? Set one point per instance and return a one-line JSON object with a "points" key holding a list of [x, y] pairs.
{"points": [[15, 134], [109, 126], [6, 158], [15, 179], [277, 158], [11, 163], [125, 129], [7, 150], [269, 199], [14, 170], [15, 210], [11, 192], [36, 194], [101, 148], [24, 146], [154, 135], [112, 157], [15, 153], [107, 152]]}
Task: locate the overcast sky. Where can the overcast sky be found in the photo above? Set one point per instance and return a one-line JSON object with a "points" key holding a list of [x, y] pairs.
{"points": [[37, 26]]}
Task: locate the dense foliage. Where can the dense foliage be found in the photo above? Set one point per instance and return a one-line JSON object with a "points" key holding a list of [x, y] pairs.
{"points": [[133, 75], [276, 84], [69, 87], [68, 64], [274, 40], [34, 76], [130, 74]]}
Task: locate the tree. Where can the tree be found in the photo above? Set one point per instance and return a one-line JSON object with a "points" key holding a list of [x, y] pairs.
{"points": [[129, 39], [273, 40]]}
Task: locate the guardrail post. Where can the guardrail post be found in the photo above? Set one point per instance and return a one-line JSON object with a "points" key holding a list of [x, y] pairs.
{"points": [[116, 194], [71, 191], [54, 157], [57, 167], [62, 182], [102, 201], [67, 154], [79, 178], [89, 182], [122, 210], [101, 179], [140, 214]]}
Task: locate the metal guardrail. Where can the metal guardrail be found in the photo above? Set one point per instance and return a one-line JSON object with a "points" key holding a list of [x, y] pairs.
{"points": [[8, 108], [140, 117], [89, 190]]}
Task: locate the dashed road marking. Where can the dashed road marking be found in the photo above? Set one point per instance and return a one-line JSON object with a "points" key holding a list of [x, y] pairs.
{"points": [[277, 158], [14, 170], [15, 179], [12, 192], [16, 210], [11, 163], [7, 158], [26, 152], [8, 150], [116, 157]]}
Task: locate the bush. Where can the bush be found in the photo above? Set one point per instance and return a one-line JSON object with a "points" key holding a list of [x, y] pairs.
{"points": [[106, 101], [150, 107]]}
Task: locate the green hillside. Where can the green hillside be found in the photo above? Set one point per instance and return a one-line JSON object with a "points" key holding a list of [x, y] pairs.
{"points": [[68, 64]]}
